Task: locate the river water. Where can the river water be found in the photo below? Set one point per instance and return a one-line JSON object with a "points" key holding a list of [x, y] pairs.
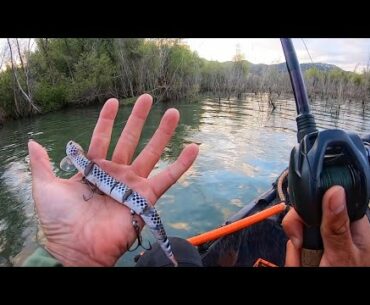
{"points": [[243, 145]]}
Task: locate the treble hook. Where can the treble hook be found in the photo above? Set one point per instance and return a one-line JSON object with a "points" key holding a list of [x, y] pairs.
{"points": [[138, 235], [93, 189]]}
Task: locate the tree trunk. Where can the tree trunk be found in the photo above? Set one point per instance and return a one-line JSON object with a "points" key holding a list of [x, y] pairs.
{"points": [[27, 97]]}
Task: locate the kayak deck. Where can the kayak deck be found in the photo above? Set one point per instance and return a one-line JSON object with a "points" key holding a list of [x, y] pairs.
{"points": [[265, 240]]}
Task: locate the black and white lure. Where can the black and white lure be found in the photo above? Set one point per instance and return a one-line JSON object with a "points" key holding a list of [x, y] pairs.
{"points": [[119, 191]]}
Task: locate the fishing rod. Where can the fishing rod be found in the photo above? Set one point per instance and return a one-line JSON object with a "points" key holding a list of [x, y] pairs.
{"points": [[322, 159], [305, 120]]}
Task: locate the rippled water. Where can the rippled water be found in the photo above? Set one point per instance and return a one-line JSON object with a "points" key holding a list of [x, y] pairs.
{"points": [[243, 148]]}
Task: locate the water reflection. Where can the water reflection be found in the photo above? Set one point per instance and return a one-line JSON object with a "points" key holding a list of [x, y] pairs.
{"points": [[243, 148]]}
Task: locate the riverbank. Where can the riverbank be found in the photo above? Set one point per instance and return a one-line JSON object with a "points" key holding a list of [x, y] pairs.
{"points": [[123, 102], [270, 99], [129, 101]]}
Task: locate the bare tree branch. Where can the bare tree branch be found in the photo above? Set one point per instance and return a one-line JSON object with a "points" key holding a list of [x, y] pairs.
{"points": [[27, 97]]}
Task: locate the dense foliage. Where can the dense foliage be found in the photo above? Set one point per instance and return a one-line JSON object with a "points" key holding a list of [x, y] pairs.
{"points": [[72, 71]]}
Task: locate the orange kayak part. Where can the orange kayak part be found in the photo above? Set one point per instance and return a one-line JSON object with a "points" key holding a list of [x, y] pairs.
{"points": [[237, 225]]}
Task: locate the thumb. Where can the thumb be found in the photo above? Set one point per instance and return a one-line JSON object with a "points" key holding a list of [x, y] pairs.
{"points": [[335, 229], [40, 164]]}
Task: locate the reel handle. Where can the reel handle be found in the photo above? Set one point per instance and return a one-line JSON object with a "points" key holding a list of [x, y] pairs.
{"points": [[312, 247], [311, 258]]}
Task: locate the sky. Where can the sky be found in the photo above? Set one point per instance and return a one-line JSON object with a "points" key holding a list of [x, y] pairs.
{"points": [[346, 53]]}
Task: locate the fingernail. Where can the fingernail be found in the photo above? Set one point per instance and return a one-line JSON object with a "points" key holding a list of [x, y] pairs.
{"points": [[337, 201], [29, 142]]}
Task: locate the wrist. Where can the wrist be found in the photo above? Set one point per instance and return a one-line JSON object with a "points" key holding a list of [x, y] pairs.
{"points": [[70, 257], [41, 258]]}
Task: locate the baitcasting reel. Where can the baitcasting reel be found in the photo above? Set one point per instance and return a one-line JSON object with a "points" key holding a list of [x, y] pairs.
{"points": [[323, 159]]}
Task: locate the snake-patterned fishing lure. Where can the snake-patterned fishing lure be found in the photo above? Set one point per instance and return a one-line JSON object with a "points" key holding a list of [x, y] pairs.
{"points": [[121, 193]]}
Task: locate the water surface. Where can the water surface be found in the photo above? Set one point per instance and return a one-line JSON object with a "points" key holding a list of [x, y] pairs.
{"points": [[243, 148]]}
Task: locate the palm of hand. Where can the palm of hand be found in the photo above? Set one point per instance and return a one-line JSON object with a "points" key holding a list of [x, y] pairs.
{"points": [[98, 231], [99, 222]]}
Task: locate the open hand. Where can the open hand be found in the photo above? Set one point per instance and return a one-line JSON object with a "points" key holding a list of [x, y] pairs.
{"points": [[98, 231]]}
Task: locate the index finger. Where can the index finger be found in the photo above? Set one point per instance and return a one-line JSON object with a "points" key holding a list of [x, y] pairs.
{"points": [[103, 130], [293, 227], [360, 230], [163, 181], [293, 255]]}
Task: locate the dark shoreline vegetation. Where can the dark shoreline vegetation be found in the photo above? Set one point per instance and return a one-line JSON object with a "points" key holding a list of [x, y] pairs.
{"points": [[74, 72]]}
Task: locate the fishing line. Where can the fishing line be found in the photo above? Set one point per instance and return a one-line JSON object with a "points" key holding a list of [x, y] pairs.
{"points": [[82, 134], [339, 175], [307, 50]]}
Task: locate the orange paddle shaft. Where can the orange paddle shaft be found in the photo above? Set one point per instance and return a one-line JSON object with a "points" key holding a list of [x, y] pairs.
{"points": [[237, 225]]}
